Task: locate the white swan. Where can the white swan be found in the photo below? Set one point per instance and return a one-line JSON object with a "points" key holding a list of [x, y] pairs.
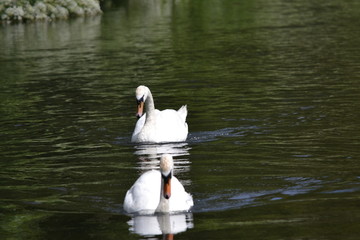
{"points": [[158, 191], [158, 126]]}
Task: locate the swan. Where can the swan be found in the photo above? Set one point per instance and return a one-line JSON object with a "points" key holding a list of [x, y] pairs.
{"points": [[158, 191], [158, 126]]}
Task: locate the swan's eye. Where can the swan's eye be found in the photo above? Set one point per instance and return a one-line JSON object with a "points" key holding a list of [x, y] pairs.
{"points": [[140, 100]]}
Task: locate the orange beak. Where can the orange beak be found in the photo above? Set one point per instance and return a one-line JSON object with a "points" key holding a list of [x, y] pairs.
{"points": [[140, 109], [169, 236], [167, 188]]}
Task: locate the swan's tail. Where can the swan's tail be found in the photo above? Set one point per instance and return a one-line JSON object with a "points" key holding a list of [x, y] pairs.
{"points": [[183, 112]]}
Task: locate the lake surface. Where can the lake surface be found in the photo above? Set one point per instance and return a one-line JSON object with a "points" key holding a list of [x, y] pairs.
{"points": [[272, 89]]}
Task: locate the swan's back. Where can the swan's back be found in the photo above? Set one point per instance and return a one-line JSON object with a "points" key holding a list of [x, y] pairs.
{"points": [[168, 126], [183, 113], [171, 126]]}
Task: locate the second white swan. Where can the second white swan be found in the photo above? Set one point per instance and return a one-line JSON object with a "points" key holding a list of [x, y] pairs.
{"points": [[158, 191], [158, 126]]}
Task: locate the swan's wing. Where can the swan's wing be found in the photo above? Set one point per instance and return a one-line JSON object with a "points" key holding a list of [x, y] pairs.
{"points": [[170, 126], [144, 195], [180, 200]]}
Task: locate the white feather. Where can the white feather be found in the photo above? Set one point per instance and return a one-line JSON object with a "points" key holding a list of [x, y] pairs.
{"points": [[159, 126]]}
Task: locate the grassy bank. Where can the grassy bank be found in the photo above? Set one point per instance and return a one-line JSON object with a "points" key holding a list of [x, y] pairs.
{"points": [[48, 10]]}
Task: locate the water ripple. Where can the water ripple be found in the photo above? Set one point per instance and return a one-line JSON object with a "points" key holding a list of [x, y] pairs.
{"points": [[232, 199]]}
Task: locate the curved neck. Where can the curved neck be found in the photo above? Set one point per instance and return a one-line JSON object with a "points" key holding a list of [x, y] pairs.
{"points": [[149, 105], [163, 203]]}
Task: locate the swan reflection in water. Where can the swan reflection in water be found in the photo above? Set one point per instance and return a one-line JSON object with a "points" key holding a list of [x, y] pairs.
{"points": [[149, 155], [161, 224]]}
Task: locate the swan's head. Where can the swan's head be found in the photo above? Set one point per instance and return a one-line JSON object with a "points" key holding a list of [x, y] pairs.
{"points": [[141, 94], [166, 169]]}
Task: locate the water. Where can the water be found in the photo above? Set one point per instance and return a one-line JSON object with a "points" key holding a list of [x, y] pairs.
{"points": [[272, 90]]}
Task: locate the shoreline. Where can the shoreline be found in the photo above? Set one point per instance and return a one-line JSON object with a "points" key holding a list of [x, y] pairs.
{"points": [[46, 10]]}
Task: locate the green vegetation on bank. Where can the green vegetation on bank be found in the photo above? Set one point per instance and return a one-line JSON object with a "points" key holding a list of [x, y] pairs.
{"points": [[30, 10]]}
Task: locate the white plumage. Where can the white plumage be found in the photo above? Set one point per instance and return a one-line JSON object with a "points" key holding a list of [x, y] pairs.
{"points": [[158, 126], [148, 195]]}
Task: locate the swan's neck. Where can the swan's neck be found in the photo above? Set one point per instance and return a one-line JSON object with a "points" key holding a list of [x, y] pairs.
{"points": [[149, 107], [163, 203]]}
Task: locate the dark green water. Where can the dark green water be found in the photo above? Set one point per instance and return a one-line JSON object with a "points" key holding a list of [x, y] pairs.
{"points": [[272, 89]]}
